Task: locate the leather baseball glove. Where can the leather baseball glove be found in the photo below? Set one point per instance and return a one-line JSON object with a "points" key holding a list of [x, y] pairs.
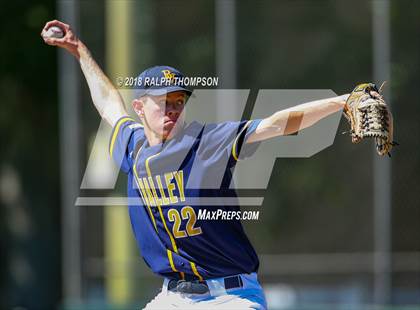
{"points": [[369, 117]]}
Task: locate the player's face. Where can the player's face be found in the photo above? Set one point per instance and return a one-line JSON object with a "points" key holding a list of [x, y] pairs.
{"points": [[163, 115]]}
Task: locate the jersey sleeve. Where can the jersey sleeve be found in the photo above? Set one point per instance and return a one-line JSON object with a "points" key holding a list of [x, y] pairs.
{"points": [[229, 139], [125, 136], [241, 149]]}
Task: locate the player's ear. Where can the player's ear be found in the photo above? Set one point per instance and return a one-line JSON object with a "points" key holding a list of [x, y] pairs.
{"points": [[138, 106]]}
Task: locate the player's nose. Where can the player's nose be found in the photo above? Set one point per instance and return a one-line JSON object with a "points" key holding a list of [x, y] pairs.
{"points": [[172, 113], [173, 110]]}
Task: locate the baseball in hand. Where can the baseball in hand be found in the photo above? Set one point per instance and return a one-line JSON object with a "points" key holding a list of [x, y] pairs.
{"points": [[53, 32]]}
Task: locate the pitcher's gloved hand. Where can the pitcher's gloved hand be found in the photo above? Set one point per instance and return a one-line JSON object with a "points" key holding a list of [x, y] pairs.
{"points": [[369, 117]]}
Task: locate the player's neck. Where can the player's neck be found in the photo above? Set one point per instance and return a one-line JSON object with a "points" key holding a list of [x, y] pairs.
{"points": [[155, 139]]}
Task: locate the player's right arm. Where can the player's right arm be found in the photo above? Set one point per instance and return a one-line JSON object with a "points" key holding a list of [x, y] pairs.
{"points": [[105, 96]]}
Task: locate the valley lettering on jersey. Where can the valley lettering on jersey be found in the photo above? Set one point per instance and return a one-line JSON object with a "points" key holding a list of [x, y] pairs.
{"points": [[165, 185]]}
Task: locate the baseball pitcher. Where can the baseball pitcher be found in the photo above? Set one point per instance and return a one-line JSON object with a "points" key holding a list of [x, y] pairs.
{"points": [[175, 170]]}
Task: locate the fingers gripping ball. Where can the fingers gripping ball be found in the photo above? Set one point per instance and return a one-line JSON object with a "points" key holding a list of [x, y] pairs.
{"points": [[53, 32], [369, 117]]}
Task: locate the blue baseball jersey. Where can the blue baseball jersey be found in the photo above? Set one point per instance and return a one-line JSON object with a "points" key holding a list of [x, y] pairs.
{"points": [[171, 183]]}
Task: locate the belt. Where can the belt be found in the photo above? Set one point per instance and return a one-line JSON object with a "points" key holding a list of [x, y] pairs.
{"points": [[197, 287]]}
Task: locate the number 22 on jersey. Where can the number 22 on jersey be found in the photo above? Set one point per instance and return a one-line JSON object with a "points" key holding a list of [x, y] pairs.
{"points": [[187, 213]]}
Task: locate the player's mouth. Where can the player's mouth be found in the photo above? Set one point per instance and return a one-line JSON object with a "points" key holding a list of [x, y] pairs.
{"points": [[169, 122], [168, 125]]}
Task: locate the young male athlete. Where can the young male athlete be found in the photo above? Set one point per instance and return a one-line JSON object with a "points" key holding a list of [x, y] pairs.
{"points": [[174, 170]]}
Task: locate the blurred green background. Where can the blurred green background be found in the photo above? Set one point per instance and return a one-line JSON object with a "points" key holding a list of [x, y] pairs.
{"points": [[317, 213]]}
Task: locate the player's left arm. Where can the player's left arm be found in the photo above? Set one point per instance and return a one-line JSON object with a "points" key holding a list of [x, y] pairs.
{"points": [[291, 120]]}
